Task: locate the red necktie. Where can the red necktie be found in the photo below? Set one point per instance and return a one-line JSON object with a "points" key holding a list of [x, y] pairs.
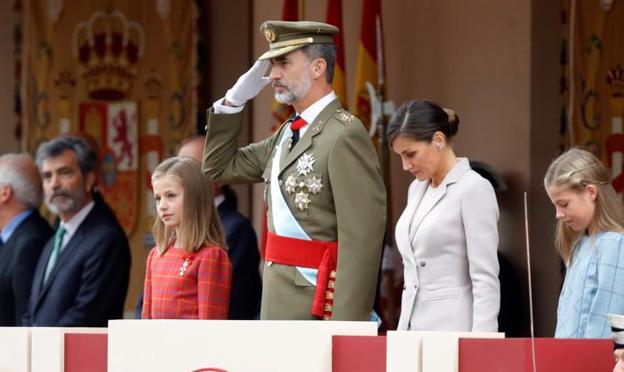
{"points": [[296, 124]]}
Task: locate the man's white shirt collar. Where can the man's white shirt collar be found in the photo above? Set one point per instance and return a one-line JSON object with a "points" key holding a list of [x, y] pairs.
{"points": [[74, 223], [310, 114], [218, 200]]}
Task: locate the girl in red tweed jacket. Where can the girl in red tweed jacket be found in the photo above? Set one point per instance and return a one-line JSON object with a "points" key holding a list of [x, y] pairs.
{"points": [[188, 272]]}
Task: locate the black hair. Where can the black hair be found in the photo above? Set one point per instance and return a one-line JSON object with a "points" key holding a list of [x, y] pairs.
{"points": [[420, 120]]}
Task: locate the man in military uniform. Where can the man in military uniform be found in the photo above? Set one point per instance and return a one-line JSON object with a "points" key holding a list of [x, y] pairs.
{"points": [[325, 198]]}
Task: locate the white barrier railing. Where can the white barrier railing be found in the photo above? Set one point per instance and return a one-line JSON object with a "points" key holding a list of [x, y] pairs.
{"points": [[233, 346]]}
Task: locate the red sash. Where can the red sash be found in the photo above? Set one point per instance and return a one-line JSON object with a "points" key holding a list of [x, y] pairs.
{"points": [[313, 254]]}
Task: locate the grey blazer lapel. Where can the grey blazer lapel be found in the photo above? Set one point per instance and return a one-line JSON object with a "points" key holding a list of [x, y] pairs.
{"points": [[425, 206], [403, 225], [457, 171]]}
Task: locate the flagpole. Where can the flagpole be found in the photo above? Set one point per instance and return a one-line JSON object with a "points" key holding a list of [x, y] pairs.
{"points": [[381, 127], [530, 283]]}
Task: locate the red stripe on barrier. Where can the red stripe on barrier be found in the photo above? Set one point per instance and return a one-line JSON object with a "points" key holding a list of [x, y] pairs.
{"points": [[359, 353], [514, 355], [86, 352]]}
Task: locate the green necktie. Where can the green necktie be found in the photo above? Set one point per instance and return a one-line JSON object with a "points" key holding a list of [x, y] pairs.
{"points": [[58, 242]]}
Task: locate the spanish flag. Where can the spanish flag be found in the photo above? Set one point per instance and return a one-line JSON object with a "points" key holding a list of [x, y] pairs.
{"points": [[367, 63], [334, 17], [290, 12]]}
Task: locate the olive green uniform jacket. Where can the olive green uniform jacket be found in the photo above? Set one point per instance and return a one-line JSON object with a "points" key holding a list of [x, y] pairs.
{"points": [[349, 208]]}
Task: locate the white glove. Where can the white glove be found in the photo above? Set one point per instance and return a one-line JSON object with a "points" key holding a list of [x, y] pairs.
{"points": [[249, 84]]}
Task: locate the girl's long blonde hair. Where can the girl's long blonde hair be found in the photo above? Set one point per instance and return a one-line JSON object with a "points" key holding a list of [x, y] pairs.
{"points": [[200, 224], [574, 170]]}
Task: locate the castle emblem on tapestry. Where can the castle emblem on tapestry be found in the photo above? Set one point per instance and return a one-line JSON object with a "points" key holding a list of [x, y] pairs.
{"points": [[592, 82]]}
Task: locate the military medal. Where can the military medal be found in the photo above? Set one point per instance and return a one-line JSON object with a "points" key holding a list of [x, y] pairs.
{"points": [[304, 164], [302, 187], [291, 184], [302, 201], [314, 185]]}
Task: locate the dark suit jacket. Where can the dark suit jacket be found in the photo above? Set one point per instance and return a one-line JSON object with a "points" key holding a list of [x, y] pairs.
{"points": [[89, 282], [18, 260], [246, 288]]}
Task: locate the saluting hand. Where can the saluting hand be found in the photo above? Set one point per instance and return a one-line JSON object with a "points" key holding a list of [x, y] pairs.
{"points": [[249, 84]]}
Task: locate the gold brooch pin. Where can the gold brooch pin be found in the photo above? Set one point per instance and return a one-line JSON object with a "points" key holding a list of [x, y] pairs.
{"points": [[185, 266]]}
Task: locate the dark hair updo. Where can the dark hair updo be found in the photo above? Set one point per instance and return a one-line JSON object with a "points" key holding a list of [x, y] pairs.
{"points": [[420, 120]]}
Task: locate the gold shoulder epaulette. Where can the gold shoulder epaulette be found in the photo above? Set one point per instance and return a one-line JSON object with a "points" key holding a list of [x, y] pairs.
{"points": [[344, 116]]}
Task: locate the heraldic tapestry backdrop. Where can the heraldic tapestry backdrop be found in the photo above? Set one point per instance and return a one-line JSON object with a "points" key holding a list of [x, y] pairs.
{"points": [[597, 81], [120, 73]]}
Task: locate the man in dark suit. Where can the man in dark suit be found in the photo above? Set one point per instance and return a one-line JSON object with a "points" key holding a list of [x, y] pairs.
{"points": [[23, 234], [82, 276], [246, 289]]}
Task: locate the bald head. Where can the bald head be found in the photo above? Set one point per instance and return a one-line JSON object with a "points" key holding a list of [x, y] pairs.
{"points": [[193, 147], [20, 174]]}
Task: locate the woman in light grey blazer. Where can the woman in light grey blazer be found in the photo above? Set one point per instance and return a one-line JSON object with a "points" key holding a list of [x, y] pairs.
{"points": [[447, 235]]}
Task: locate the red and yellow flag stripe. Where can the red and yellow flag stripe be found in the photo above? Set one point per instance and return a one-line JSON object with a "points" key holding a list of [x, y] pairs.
{"points": [[367, 64]]}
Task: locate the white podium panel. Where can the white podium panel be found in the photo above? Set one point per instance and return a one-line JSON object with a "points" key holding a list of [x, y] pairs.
{"points": [[48, 347], [403, 351], [412, 351], [14, 349], [231, 346]]}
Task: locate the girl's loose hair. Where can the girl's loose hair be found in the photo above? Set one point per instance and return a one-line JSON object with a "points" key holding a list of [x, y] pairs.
{"points": [[200, 224], [574, 170], [420, 120]]}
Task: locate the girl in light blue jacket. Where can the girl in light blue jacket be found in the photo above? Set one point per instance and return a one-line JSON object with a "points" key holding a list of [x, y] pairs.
{"points": [[590, 240]]}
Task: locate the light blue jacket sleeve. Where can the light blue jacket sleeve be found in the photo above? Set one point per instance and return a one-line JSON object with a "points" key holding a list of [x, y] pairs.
{"points": [[609, 297]]}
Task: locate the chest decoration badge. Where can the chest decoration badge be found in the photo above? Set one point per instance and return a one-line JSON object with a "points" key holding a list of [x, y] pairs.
{"points": [[302, 200], [314, 185], [304, 164], [302, 184]]}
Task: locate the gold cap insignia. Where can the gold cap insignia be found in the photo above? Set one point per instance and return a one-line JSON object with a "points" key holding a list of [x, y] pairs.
{"points": [[270, 35], [285, 37]]}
